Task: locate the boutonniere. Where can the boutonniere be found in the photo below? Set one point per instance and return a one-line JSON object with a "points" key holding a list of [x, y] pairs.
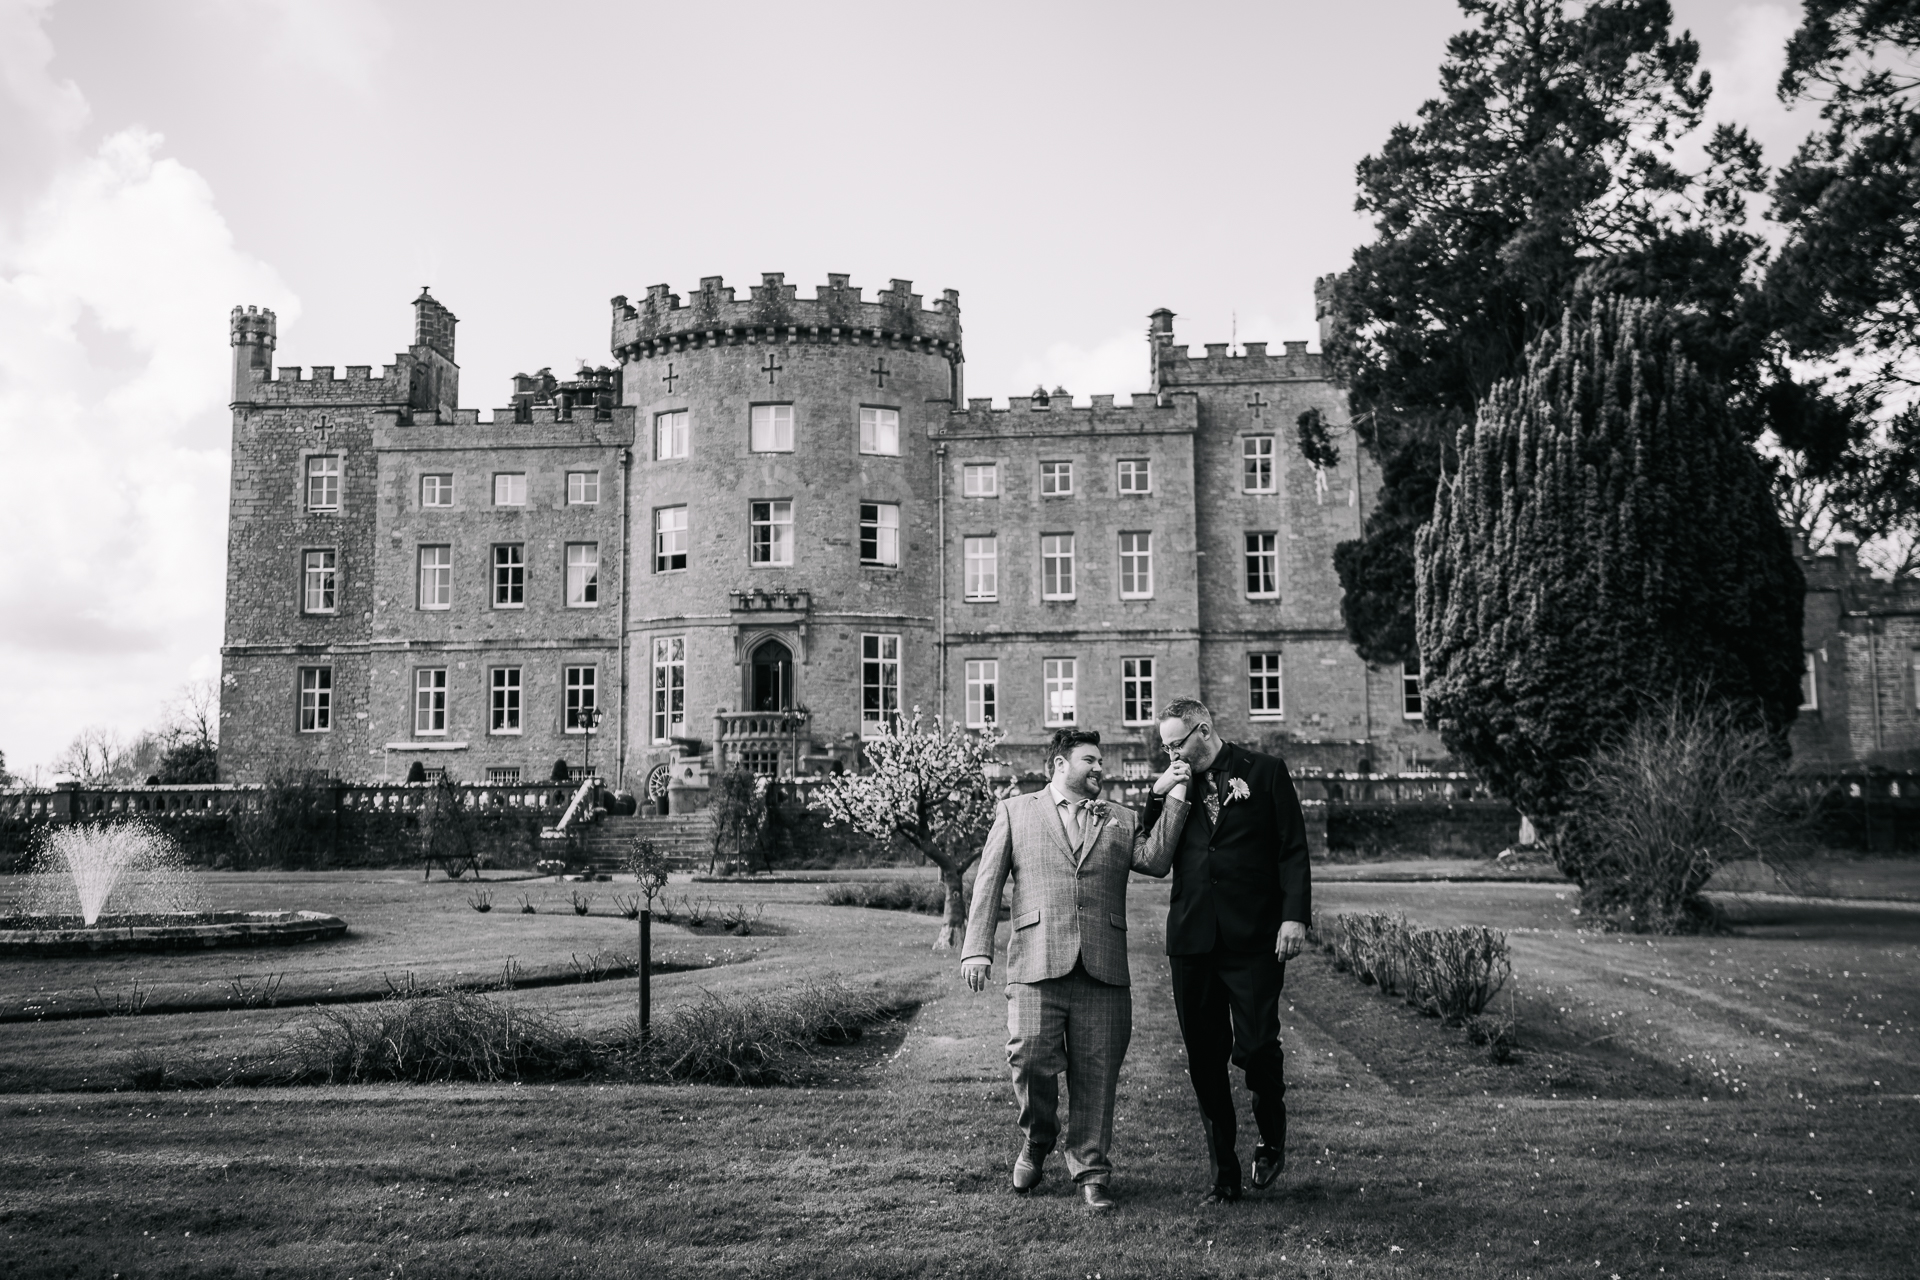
{"points": [[1097, 810], [1237, 789]]}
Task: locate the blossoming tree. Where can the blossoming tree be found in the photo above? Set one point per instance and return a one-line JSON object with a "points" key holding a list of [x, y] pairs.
{"points": [[928, 788]]}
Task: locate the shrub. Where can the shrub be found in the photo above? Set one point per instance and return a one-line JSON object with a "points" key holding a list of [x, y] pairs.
{"points": [[757, 1039], [924, 896], [1450, 973], [453, 1035], [1686, 789], [293, 826]]}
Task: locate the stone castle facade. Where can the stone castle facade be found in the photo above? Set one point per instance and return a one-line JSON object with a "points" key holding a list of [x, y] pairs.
{"points": [[770, 526]]}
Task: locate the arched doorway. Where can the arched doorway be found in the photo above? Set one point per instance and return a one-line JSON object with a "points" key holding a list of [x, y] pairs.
{"points": [[771, 667]]}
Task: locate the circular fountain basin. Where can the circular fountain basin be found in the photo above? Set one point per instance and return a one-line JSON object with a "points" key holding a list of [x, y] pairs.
{"points": [[162, 931]]}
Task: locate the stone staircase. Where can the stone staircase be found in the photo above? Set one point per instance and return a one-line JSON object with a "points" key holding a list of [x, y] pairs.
{"points": [[686, 839]]}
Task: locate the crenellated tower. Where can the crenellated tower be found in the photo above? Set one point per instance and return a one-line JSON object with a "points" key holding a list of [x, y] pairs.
{"points": [[785, 492]]}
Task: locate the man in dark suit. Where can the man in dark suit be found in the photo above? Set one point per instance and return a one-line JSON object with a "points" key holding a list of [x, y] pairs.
{"points": [[1241, 900]]}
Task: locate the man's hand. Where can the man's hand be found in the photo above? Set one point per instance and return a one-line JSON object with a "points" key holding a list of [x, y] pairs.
{"points": [[1177, 773], [1292, 940], [975, 972]]}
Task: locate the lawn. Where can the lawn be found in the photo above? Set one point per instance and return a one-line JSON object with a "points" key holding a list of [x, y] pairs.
{"points": [[1744, 1104]]}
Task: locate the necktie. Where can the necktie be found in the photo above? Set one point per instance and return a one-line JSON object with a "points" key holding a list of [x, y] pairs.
{"points": [[1210, 793], [1070, 819]]}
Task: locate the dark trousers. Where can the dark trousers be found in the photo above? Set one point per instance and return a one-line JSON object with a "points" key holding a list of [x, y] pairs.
{"points": [[1229, 1007]]}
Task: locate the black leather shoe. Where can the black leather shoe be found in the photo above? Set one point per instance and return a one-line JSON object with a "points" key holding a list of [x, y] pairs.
{"points": [[1027, 1170], [1223, 1193], [1267, 1164], [1096, 1195]]}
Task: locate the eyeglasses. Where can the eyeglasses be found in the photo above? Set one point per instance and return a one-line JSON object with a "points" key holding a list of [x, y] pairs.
{"points": [[1175, 746]]}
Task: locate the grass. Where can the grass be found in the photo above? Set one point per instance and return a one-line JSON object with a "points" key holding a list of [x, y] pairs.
{"points": [[1409, 1154]]}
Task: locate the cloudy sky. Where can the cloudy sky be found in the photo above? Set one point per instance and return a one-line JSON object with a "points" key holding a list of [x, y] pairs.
{"points": [[1068, 167]]}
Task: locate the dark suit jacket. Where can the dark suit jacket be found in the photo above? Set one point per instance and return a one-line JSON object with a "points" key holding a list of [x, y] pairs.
{"points": [[1233, 884]]}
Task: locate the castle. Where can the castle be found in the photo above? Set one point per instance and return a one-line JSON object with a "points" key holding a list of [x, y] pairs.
{"points": [[770, 527]]}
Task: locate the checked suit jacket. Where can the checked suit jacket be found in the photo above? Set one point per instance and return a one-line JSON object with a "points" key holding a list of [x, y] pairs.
{"points": [[1068, 903]]}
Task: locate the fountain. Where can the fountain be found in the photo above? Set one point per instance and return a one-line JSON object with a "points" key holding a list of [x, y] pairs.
{"points": [[124, 887]]}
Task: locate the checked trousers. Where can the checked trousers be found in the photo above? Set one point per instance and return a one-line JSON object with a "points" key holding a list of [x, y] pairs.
{"points": [[1081, 1026]]}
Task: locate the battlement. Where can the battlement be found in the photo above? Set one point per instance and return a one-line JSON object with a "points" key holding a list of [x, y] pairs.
{"points": [[1173, 367], [773, 312], [1055, 414], [546, 426], [290, 384]]}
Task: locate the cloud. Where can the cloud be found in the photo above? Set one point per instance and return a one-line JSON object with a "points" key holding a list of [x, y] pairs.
{"points": [[1746, 73], [26, 56], [1117, 365], [341, 40], [115, 285]]}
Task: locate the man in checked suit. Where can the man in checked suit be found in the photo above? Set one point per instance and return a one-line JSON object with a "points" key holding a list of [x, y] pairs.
{"points": [[1240, 904], [1069, 1005]]}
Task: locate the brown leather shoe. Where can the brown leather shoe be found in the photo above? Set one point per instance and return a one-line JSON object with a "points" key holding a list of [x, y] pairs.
{"points": [[1096, 1195], [1027, 1170]]}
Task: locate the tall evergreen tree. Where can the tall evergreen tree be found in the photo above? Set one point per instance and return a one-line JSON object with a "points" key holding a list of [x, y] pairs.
{"points": [[1846, 284], [1545, 166], [1607, 542]]}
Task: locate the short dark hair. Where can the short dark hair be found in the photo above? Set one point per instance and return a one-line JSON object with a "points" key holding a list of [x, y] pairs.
{"points": [[1065, 740], [1189, 710]]}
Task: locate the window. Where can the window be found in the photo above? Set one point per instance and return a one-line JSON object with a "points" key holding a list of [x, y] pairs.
{"points": [[510, 576], [1056, 566], [983, 693], [1136, 566], [1263, 686], [503, 775], [510, 489], [669, 539], [316, 699], [879, 683], [980, 480], [436, 490], [1136, 690], [1136, 475], [1410, 687], [431, 774], [582, 686], [583, 488], [670, 435], [436, 577], [1810, 684], [669, 688], [430, 701], [880, 431], [506, 700], [982, 568], [1256, 455], [1263, 565], [771, 533], [772, 428], [323, 483], [320, 577], [880, 534], [1056, 479], [1058, 676], [583, 575]]}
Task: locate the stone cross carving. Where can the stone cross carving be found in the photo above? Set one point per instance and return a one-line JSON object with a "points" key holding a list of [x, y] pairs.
{"points": [[771, 367], [879, 372], [1257, 404], [670, 376], [321, 426]]}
